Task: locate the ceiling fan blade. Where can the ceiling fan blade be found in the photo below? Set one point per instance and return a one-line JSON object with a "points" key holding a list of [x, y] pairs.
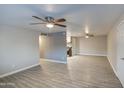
{"points": [[60, 25], [39, 18], [90, 35], [36, 23], [60, 20]]}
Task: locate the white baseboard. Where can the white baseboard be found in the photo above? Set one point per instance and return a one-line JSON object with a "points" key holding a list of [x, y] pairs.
{"points": [[19, 70], [51, 60], [115, 71], [91, 54], [112, 67]]}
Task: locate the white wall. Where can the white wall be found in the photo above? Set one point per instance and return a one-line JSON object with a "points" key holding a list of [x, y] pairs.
{"points": [[53, 47], [116, 50], [112, 48], [92, 46], [19, 49], [74, 44]]}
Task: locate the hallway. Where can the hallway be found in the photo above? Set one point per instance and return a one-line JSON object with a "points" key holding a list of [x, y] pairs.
{"points": [[80, 72]]}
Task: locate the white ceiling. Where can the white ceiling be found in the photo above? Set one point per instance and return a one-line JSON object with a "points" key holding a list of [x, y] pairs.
{"points": [[99, 19]]}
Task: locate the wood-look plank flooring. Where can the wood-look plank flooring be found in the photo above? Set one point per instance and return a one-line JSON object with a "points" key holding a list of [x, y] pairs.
{"points": [[79, 72]]}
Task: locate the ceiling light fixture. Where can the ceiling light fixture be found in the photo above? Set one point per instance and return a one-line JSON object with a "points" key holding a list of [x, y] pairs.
{"points": [[86, 30], [86, 36], [49, 25]]}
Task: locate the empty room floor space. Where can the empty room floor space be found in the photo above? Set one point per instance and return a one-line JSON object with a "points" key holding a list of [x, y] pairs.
{"points": [[79, 72]]}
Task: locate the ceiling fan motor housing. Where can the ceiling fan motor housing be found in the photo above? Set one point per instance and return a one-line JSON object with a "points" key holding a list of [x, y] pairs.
{"points": [[49, 19]]}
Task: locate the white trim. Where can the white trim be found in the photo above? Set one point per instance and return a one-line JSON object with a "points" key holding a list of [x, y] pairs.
{"points": [[19, 70], [112, 66], [115, 71], [91, 54], [120, 80], [51, 60]]}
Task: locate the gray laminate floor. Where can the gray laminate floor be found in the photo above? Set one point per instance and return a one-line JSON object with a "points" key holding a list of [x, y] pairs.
{"points": [[79, 72]]}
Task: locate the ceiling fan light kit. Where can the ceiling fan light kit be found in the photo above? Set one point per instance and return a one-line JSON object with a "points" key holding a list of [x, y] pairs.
{"points": [[86, 36], [49, 25]]}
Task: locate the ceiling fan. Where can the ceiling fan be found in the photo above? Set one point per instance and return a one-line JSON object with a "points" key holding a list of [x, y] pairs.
{"points": [[87, 35], [50, 22]]}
